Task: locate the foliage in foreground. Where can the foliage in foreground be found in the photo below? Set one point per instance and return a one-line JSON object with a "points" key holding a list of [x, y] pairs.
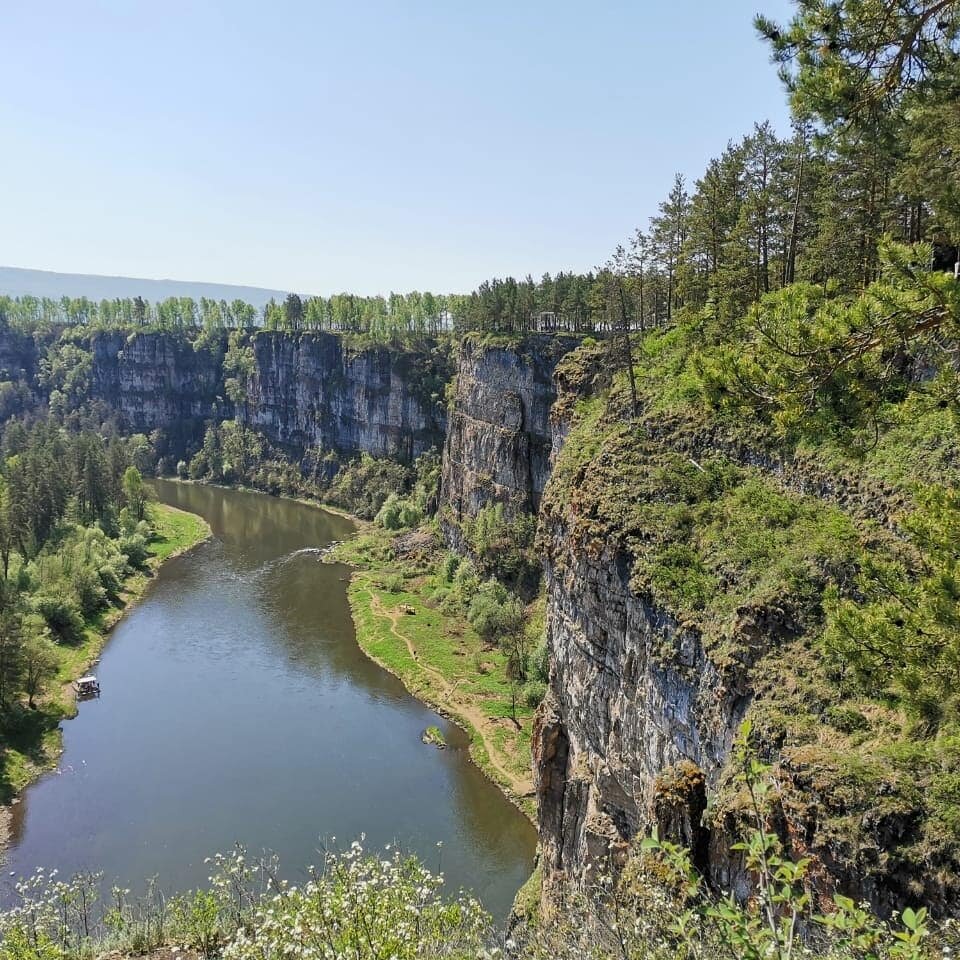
{"points": [[391, 906]]}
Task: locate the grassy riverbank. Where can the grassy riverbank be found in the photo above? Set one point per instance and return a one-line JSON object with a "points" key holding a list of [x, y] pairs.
{"points": [[30, 740], [405, 623]]}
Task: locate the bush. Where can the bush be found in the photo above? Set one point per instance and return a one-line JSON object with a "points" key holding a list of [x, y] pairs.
{"points": [[388, 515], [61, 615], [393, 583], [466, 582], [494, 613], [134, 548], [196, 921], [366, 908], [502, 544], [90, 592], [450, 566], [199, 466], [533, 693], [362, 486], [540, 663], [398, 513], [846, 719], [127, 521], [111, 580]]}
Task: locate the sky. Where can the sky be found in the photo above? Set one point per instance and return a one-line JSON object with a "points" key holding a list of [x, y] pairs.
{"points": [[366, 146]]}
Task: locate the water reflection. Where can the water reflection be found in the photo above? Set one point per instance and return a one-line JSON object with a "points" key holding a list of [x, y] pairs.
{"points": [[237, 706]]}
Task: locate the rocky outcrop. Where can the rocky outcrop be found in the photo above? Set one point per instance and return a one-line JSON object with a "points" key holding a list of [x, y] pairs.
{"points": [[302, 392], [632, 695], [312, 391], [19, 356], [498, 441], [642, 709], [158, 380]]}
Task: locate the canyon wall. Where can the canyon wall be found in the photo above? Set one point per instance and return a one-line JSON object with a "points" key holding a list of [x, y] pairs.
{"points": [[158, 380], [621, 720], [313, 391], [498, 441], [639, 719], [641, 713], [301, 392]]}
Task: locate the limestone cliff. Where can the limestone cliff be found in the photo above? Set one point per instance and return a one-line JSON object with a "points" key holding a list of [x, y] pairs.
{"points": [[301, 392], [618, 717], [314, 391], [647, 692], [497, 447], [158, 380]]}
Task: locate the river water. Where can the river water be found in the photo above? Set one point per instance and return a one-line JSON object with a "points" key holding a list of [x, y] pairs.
{"points": [[237, 707]]}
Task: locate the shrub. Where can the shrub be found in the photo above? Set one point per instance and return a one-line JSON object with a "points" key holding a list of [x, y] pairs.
{"points": [[363, 485], [61, 615], [495, 613], [846, 719], [134, 548], [450, 566], [540, 662], [366, 908], [90, 592], [198, 466], [533, 693], [502, 544], [393, 583], [388, 515], [110, 579], [196, 921]]}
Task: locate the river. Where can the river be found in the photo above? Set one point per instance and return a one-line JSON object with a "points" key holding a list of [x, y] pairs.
{"points": [[237, 707]]}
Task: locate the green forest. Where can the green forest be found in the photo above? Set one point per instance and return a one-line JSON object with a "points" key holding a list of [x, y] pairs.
{"points": [[76, 528]]}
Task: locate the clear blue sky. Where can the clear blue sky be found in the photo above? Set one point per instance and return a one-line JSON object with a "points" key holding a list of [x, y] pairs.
{"points": [[362, 145]]}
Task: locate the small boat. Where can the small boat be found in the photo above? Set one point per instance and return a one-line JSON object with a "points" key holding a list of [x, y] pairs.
{"points": [[87, 686]]}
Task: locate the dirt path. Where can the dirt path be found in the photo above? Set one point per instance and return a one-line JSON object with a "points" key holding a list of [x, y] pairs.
{"points": [[457, 705]]}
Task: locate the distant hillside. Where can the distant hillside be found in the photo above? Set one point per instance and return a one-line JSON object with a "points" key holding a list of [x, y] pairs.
{"points": [[17, 282]]}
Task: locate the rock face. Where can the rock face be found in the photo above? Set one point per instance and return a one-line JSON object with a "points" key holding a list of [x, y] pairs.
{"points": [[303, 392], [619, 714], [158, 380], [638, 721], [311, 391], [640, 716], [18, 356], [497, 447]]}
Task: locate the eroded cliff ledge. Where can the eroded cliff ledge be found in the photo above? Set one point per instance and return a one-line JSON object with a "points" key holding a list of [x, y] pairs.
{"points": [[684, 579]]}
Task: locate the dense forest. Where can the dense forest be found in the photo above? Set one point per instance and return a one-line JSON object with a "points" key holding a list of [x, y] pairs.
{"points": [[74, 525]]}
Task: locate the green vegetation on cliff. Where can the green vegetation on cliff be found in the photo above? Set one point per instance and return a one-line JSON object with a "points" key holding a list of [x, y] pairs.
{"points": [[786, 514]]}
